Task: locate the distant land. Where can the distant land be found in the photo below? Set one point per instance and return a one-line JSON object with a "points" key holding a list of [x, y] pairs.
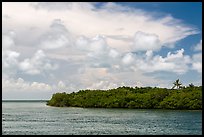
{"points": [[188, 98]]}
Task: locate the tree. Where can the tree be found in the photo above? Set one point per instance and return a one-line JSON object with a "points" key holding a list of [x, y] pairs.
{"points": [[177, 84], [191, 85]]}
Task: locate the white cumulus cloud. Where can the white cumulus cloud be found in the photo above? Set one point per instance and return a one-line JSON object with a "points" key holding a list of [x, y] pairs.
{"points": [[145, 41], [36, 64]]}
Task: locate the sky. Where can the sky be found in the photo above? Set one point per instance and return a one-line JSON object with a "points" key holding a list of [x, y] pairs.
{"points": [[65, 47]]}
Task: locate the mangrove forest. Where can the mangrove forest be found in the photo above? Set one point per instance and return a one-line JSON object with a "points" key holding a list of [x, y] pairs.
{"points": [[189, 98]]}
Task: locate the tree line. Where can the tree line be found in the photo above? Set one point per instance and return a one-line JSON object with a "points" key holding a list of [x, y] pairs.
{"points": [[133, 97]]}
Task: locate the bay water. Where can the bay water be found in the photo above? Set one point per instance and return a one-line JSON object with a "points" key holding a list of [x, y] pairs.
{"points": [[36, 118]]}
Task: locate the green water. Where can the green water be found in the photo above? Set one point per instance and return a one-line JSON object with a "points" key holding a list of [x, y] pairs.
{"points": [[35, 118]]}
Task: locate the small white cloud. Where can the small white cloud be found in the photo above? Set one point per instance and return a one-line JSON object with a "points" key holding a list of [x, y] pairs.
{"points": [[61, 84], [149, 54], [113, 53], [197, 66], [128, 59], [197, 62], [172, 57], [144, 41], [198, 47]]}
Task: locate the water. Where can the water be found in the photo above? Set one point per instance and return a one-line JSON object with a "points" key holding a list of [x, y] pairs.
{"points": [[35, 118]]}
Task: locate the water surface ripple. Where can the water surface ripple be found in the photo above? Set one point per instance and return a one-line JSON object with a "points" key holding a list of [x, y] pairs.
{"points": [[35, 118]]}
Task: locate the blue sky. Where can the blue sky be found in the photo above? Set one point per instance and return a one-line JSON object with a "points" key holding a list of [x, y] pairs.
{"points": [[56, 47]]}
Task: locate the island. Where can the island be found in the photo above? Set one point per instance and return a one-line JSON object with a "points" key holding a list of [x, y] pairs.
{"points": [[188, 98]]}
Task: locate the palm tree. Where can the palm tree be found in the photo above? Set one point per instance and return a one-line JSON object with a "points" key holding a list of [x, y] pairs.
{"points": [[191, 85], [177, 84]]}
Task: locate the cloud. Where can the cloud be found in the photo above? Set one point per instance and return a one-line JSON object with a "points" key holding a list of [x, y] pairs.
{"points": [[149, 54], [97, 57], [148, 63], [176, 62], [144, 41], [61, 84], [128, 59], [95, 45], [66, 87], [197, 62], [7, 41], [57, 37], [9, 58], [20, 85], [197, 58], [52, 6], [107, 19], [36, 64], [98, 53], [61, 6], [103, 85], [113, 53], [198, 47], [21, 89]]}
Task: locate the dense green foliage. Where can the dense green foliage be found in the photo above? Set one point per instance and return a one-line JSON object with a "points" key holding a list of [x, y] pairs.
{"points": [[129, 97]]}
